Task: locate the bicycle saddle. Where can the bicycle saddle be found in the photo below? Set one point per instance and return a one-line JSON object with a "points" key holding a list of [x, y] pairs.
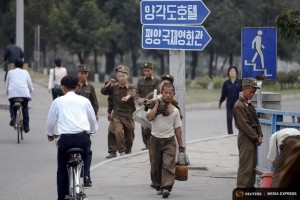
{"points": [[75, 150]]}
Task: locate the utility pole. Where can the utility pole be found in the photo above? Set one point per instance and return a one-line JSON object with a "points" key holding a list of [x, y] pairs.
{"points": [[20, 24]]}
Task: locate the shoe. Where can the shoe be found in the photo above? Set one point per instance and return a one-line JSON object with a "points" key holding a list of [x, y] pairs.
{"points": [[87, 182], [111, 155], [12, 122], [143, 149], [159, 192], [122, 153], [152, 185], [26, 130], [165, 193]]}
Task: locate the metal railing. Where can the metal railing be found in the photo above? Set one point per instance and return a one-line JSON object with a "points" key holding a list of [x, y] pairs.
{"points": [[272, 121]]}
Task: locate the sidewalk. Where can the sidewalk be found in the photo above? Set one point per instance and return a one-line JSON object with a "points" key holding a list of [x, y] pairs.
{"points": [[212, 174]]}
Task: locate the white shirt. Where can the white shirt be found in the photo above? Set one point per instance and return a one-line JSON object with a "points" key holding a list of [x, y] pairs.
{"points": [[18, 83], [164, 126], [73, 114], [60, 72], [277, 139]]}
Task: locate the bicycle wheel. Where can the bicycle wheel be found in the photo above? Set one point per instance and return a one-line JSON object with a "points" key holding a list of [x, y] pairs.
{"points": [[17, 124], [21, 122]]}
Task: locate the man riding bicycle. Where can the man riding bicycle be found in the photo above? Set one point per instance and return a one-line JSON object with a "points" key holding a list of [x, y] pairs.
{"points": [[19, 85], [76, 118]]}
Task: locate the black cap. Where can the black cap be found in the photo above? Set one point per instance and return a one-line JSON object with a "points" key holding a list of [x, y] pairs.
{"points": [[167, 77], [69, 81]]}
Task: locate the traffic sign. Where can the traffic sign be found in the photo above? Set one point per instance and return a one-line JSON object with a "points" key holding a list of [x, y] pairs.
{"points": [[259, 52], [173, 12], [175, 37]]}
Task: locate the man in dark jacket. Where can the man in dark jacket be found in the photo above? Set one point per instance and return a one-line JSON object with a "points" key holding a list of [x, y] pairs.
{"points": [[11, 52]]}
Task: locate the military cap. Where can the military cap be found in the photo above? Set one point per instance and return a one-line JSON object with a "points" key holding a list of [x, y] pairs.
{"points": [[148, 65], [250, 82], [123, 69], [84, 68], [167, 77]]}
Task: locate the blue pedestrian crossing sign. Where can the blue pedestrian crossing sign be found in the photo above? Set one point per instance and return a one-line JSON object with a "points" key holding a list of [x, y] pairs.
{"points": [[259, 52]]}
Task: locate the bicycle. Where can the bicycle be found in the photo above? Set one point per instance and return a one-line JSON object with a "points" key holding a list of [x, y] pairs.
{"points": [[18, 118], [75, 170], [75, 167]]}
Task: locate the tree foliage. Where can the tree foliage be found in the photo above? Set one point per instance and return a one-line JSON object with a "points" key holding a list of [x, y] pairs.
{"points": [[288, 23]]}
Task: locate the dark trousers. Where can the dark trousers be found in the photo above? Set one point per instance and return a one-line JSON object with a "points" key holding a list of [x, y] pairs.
{"points": [[111, 138], [146, 134], [229, 112], [80, 140], [13, 111], [124, 132]]}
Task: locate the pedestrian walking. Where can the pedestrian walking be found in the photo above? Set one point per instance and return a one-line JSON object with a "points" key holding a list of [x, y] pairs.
{"points": [[145, 86], [87, 90], [55, 75], [76, 119], [165, 127], [11, 52], [249, 136], [123, 94], [230, 91]]}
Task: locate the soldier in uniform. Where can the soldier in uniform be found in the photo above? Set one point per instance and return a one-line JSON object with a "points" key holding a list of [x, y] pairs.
{"points": [[87, 90], [146, 85], [249, 136], [123, 94]]}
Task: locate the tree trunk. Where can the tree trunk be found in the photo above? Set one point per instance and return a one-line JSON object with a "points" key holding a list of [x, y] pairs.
{"points": [[80, 58], [194, 64], [223, 65], [230, 59], [134, 58], [162, 63], [95, 61], [210, 65]]}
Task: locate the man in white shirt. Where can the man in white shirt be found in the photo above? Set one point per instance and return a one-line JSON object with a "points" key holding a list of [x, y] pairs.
{"points": [[19, 84], [76, 118], [281, 143]]}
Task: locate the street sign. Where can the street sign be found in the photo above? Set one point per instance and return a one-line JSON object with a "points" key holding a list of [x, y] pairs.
{"points": [[259, 52], [174, 37], [173, 12]]}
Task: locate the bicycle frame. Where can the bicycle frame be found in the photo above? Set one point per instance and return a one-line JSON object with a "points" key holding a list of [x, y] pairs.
{"points": [[19, 120], [75, 166]]}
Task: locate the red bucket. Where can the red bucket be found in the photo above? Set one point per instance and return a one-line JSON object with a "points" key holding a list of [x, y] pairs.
{"points": [[266, 181]]}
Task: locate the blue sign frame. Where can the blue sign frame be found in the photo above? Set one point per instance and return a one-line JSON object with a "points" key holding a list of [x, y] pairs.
{"points": [[259, 52], [189, 12], [175, 37]]}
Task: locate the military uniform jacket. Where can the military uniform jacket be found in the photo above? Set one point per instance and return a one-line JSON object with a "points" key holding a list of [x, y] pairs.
{"points": [[146, 85], [246, 119], [87, 90], [122, 109]]}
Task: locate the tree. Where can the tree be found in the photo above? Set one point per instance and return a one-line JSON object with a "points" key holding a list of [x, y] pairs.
{"points": [[288, 23]]}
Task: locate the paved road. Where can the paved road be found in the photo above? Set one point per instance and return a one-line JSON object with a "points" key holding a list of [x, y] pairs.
{"points": [[28, 169]]}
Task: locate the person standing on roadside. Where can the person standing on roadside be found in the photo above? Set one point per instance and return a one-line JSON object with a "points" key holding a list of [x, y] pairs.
{"points": [[230, 91], [165, 127], [249, 136], [87, 90], [146, 85], [55, 76], [11, 52], [123, 94]]}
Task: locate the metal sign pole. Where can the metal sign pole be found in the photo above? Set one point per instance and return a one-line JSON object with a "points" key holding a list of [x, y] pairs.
{"points": [[177, 69], [259, 96]]}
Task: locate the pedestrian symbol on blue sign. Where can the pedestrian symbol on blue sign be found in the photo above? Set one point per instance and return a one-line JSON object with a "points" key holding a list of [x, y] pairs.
{"points": [[259, 52]]}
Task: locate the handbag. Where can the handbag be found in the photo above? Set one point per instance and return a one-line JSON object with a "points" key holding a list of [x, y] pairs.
{"points": [[181, 169], [57, 87]]}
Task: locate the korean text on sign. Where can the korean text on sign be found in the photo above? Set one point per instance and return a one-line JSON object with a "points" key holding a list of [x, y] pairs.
{"points": [[175, 37]]}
